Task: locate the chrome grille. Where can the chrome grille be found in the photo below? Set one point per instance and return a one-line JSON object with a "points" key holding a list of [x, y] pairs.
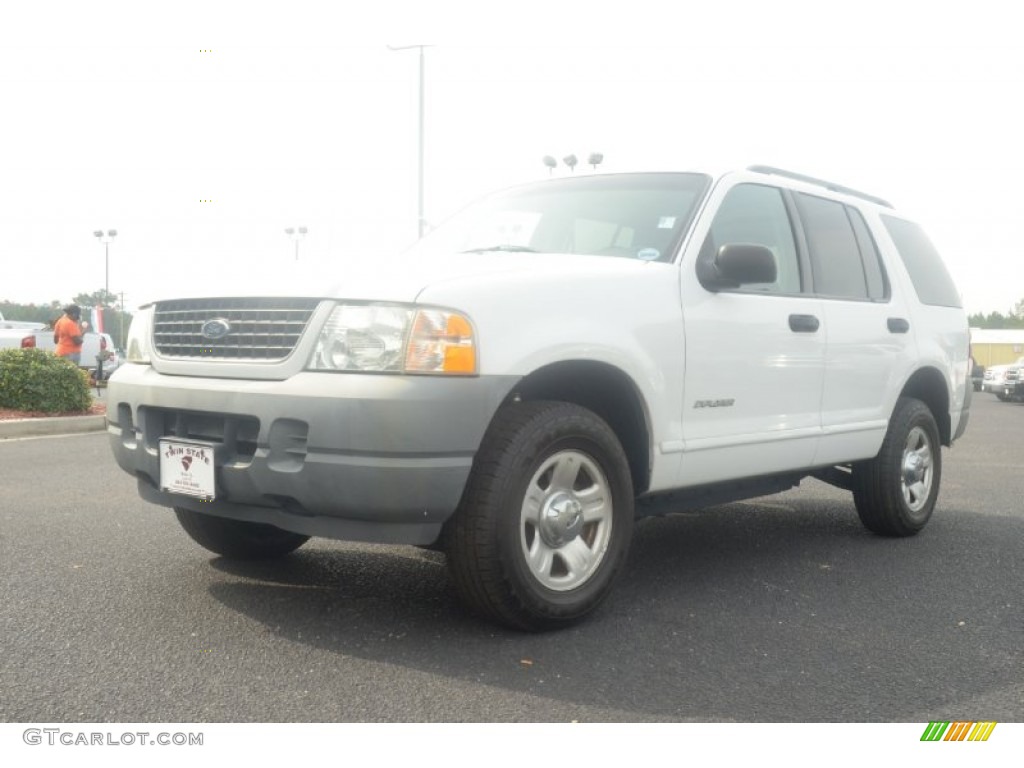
{"points": [[264, 329]]}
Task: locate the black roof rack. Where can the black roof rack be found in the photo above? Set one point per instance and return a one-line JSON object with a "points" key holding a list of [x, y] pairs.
{"points": [[819, 182]]}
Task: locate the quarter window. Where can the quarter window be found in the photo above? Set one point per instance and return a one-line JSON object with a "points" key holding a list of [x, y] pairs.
{"points": [[927, 272]]}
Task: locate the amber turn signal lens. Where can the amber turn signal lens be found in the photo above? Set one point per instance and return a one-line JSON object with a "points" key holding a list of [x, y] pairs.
{"points": [[441, 342]]}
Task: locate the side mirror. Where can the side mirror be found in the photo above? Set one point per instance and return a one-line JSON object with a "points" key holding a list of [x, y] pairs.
{"points": [[738, 264]]}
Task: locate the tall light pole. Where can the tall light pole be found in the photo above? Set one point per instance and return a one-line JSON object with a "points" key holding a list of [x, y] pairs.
{"points": [[106, 238], [120, 339], [296, 234], [421, 221]]}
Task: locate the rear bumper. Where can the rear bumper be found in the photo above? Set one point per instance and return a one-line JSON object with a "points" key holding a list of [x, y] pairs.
{"points": [[349, 456]]}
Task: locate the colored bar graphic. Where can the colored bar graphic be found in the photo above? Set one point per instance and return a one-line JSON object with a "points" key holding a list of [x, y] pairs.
{"points": [[958, 731], [982, 732]]}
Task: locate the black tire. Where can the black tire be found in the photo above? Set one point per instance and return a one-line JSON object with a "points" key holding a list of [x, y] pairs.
{"points": [[238, 539], [1002, 396], [896, 491], [546, 519]]}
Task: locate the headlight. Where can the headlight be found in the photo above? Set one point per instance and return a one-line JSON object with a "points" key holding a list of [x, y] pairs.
{"points": [[391, 339], [362, 338], [139, 334]]}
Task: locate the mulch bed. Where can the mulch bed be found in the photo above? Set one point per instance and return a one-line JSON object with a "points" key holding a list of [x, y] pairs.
{"points": [[6, 414]]}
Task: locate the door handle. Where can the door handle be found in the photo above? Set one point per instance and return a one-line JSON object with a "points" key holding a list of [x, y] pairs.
{"points": [[803, 323], [898, 325]]}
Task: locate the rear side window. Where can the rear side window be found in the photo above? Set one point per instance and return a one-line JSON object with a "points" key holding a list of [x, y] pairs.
{"points": [[931, 279], [835, 255]]}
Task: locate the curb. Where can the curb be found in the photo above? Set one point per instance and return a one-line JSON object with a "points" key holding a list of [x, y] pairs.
{"points": [[54, 425]]}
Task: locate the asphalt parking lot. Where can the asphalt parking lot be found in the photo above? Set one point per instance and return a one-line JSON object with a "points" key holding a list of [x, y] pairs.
{"points": [[782, 609]]}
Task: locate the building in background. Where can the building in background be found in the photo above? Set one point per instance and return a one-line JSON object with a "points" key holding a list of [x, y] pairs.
{"points": [[994, 346]]}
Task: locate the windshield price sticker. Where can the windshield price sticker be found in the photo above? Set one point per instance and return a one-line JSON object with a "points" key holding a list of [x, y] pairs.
{"points": [[187, 469]]}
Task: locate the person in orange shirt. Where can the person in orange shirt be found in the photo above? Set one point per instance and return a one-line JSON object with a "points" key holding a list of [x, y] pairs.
{"points": [[67, 334]]}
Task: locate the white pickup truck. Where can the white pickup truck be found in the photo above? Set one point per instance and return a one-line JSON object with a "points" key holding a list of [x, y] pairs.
{"points": [[15, 334], [26, 335], [550, 365], [1001, 380]]}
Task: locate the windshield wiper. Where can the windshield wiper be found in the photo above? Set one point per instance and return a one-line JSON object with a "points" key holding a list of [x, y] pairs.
{"points": [[503, 248]]}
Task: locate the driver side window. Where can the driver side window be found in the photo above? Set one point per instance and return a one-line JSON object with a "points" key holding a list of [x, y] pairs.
{"points": [[755, 214]]}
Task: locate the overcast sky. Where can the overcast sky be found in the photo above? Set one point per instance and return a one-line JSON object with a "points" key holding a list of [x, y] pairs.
{"points": [[199, 131]]}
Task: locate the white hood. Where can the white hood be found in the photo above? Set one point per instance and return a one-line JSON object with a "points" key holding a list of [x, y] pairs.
{"points": [[403, 279]]}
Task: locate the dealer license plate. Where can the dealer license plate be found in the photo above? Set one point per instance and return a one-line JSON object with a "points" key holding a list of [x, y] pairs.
{"points": [[187, 468]]}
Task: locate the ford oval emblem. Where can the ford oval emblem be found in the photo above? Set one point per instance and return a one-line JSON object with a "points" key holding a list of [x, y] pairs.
{"points": [[215, 329]]}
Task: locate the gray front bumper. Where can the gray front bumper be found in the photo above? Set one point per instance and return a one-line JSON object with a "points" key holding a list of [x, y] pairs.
{"points": [[349, 456]]}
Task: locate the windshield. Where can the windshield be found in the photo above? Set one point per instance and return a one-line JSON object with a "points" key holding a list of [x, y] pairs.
{"points": [[638, 216]]}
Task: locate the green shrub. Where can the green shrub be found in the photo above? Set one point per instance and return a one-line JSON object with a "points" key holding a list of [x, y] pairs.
{"points": [[36, 380]]}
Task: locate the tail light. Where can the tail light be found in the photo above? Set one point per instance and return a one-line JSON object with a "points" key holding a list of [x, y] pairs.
{"points": [[29, 342]]}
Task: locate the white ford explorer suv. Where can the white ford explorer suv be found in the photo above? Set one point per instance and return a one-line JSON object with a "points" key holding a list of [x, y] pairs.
{"points": [[552, 364]]}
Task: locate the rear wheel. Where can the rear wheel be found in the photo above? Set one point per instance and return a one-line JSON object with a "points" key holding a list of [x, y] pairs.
{"points": [[896, 491], [545, 522], [236, 538]]}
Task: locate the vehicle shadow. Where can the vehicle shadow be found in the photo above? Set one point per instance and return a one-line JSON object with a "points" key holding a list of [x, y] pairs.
{"points": [[783, 609]]}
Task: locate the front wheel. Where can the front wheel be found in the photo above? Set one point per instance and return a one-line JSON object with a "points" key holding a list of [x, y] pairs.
{"points": [[545, 522], [896, 491], [238, 539]]}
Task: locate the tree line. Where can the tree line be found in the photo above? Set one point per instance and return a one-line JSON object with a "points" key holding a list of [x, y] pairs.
{"points": [[115, 322], [1012, 319]]}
